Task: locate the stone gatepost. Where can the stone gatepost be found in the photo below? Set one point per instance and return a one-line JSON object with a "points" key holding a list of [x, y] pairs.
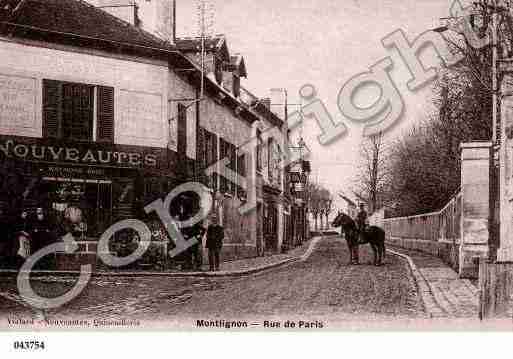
{"points": [[475, 178], [496, 278]]}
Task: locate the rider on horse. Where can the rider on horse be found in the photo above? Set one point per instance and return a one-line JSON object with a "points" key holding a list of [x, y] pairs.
{"points": [[361, 222]]}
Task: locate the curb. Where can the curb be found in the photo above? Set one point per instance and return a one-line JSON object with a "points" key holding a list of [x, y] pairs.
{"points": [[221, 274], [431, 306]]}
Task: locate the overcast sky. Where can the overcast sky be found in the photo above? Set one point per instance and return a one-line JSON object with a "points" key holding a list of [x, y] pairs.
{"points": [[325, 43]]}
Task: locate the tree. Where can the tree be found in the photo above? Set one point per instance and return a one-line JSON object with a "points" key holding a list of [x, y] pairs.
{"points": [[321, 204], [370, 184], [314, 201], [425, 163], [328, 207]]}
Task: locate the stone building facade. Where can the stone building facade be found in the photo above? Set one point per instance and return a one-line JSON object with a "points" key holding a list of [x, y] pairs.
{"points": [[99, 113], [244, 129]]}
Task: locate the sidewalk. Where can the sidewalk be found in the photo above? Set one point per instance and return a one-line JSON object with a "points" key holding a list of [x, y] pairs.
{"points": [[444, 294], [233, 268], [259, 262]]}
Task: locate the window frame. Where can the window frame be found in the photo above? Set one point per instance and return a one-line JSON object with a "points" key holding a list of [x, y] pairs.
{"points": [[54, 113]]}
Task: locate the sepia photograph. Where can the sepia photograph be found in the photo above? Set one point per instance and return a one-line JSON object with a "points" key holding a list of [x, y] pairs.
{"points": [[310, 166]]}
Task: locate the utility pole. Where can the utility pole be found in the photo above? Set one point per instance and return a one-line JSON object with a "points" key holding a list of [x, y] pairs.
{"points": [[495, 172]]}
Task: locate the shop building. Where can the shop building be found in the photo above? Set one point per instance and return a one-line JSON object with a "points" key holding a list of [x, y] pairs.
{"points": [[84, 113], [101, 115]]}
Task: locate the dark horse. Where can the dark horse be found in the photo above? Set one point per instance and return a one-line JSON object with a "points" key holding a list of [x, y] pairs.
{"points": [[373, 235]]}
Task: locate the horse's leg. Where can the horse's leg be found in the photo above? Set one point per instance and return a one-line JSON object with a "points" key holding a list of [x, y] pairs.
{"points": [[375, 252], [350, 251], [383, 252], [356, 249]]}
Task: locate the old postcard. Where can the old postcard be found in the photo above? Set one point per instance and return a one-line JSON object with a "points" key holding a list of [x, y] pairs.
{"points": [[254, 166]]}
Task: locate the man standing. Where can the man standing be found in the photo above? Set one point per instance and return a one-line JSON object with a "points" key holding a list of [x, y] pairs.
{"points": [[215, 236], [195, 232]]}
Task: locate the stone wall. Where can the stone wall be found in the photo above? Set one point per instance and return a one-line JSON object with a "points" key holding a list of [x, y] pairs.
{"points": [[459, 232]]}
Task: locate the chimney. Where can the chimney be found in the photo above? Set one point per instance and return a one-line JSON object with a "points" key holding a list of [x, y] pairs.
{"points": [[155, 16], [126, 10], [279, 103]]}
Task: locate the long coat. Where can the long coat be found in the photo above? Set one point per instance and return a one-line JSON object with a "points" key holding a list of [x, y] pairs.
{"points": [[215, 236]]}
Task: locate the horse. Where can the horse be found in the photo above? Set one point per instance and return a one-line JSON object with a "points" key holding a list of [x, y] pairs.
{"points": [[373, 235]]}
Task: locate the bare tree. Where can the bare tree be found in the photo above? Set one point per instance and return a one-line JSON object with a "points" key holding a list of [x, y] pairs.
{"points": [[425, 163], [371, 180], [328, 207], [321, 205], [314, 200]]}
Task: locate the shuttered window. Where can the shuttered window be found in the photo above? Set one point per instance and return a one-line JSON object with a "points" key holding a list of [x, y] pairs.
{"points": [[232, 153], [105, 115], [259, 150], [182, 130], [51, 109], [223, 153], [215, 158], [68, 111], [241, 170], [208, 155], [228, 151]]}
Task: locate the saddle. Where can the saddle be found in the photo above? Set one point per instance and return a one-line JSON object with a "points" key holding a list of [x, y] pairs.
{"points": [[361, 238]]}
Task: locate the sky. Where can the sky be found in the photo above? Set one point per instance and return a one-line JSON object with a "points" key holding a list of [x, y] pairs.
{"points": [[287, 44]]}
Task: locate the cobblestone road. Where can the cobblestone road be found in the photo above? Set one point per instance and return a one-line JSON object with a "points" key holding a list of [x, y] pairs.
{"points": [[323, 287]]}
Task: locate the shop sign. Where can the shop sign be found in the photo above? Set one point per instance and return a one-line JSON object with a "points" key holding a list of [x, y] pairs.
{"points": [[73, 172], [43, 150]]}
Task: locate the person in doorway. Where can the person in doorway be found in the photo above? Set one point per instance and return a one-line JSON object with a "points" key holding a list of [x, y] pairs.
{"points": [[22, 222], [215, 236], [361, 221], [43, 235], [21, 240]]}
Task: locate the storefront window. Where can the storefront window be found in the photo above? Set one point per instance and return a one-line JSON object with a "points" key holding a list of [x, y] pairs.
{"points": [[82, 207]]}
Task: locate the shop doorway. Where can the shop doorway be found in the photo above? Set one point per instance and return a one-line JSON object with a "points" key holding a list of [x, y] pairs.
{"points": [[91, 201]]}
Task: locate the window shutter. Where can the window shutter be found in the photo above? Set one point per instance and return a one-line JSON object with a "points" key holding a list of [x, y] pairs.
{"points": [[241, 164], [182, 130], [51, 113], [215, 159], [105, 115], [241, 170], [222, 155], [233, 167]]}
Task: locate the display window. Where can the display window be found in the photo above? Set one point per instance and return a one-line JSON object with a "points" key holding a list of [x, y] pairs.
{"points": [[83, 207]]}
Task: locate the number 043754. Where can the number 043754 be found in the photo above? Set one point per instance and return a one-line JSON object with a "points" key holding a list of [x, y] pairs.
{"points": [[29, 345]]}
